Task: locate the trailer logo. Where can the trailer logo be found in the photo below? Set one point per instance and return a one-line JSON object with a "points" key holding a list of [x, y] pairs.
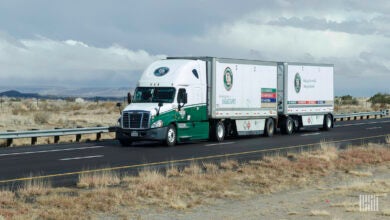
{"points": [[228, 78], [297, 83]]}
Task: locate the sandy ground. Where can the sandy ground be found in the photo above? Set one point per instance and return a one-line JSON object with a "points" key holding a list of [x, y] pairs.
{"points": [[336, 197]]}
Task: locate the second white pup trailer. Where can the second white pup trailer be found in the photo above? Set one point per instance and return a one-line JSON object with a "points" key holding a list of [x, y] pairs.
{"points": [[305, 96]]}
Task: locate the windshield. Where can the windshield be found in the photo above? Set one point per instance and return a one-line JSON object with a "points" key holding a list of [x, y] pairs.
{"points": [[154, 94]]}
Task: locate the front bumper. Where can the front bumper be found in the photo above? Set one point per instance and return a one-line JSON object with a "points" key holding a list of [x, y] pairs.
{"points": [[154, 134]]}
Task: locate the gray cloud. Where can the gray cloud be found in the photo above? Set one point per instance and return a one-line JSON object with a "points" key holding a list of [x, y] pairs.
{"points": [[109, 43]]}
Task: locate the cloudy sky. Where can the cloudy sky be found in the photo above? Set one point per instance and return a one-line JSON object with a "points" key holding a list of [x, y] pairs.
{"points": [[96, 43]]}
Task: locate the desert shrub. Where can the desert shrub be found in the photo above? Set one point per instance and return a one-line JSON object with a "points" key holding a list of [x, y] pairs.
{"points": [[348, 100], [42, 117], [380, 98]]}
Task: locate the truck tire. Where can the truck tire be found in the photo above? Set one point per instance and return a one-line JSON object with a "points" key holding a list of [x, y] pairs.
{"points": [[217, 131], [269, 128], [287, 126], [170, 138], [125, 143], [327, 122]]}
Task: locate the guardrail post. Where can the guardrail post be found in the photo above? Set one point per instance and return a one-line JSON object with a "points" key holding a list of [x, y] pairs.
{"points": [[78, 137], [9, 142], [98, 136], [56, 138], [34, 139]]}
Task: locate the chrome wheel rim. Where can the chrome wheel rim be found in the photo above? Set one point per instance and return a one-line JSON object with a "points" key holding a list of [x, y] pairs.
{"points": [[270, 129], [220, 131], [171, 135], [289, 125], [328, 122]]}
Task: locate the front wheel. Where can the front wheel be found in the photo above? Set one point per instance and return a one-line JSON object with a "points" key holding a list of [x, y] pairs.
{"points": [[170, 139]]}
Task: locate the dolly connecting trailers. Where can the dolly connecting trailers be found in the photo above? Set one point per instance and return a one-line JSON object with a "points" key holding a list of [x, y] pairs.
{"points": [[192, 98]]}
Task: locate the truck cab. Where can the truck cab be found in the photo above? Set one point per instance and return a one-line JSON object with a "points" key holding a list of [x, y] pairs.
{"points": [[168, 104]]}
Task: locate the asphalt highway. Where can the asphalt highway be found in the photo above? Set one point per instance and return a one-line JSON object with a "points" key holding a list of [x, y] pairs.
{"points": [[62, 163]]}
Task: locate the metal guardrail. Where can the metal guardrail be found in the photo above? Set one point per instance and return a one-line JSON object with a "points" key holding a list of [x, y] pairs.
{"points": [[361, 115], [34, 134]]}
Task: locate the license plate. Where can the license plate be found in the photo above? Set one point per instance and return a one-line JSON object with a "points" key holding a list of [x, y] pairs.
{"points": [[134, 133]]}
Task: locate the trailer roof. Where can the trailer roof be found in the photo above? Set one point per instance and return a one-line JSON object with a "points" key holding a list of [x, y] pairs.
{"points": [[207, 58]]}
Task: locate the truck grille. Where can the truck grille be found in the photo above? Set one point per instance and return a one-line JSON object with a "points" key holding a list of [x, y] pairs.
{"points": [[135, 120]]}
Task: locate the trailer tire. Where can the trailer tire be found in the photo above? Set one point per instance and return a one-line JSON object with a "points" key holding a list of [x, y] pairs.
{"points": [[218, 131], [269, 129], [170, 138], [287, 126], [327, 122]]}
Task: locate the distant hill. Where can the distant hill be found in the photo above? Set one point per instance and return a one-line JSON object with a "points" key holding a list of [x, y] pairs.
{"points": [[20, 95], [17, 94]]}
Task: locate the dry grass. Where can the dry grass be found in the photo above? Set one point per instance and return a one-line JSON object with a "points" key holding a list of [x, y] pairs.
{"points": [[385, 212], [34, 187], [184, 188], [346, 205], [319, 213], [98, 179], [378, 187], [28, 114], [359, 173], [371, 154]]}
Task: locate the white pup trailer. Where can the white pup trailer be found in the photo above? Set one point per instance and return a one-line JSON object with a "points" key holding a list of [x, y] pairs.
{"points": [[305, 96], [193, 98]]}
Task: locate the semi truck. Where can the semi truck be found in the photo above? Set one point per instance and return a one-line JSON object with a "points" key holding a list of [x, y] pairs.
{"points": [[180, 99]]}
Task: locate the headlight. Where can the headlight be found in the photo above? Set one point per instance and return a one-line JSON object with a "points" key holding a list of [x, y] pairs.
{"points": [[119, 121], [157, 124]]}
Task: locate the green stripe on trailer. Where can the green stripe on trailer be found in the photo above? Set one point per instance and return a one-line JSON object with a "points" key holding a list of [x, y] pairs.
{"points": [[271, 90]]}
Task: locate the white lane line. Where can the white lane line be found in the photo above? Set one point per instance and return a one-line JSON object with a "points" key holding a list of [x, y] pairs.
{"points": [[368, 123], [373, 128], [49, 151], [310, 134], [224, 143], [80, 158]]}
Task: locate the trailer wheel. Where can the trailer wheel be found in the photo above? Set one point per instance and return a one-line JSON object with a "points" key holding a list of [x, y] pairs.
{"points": [[327, 122], [269, 128], [287, 126], [170, 139], [218, 131]]}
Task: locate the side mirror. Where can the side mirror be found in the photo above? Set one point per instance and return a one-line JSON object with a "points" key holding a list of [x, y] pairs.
{"points": [[160, 104], [129, 98], [182, 98], [119, 105]]}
